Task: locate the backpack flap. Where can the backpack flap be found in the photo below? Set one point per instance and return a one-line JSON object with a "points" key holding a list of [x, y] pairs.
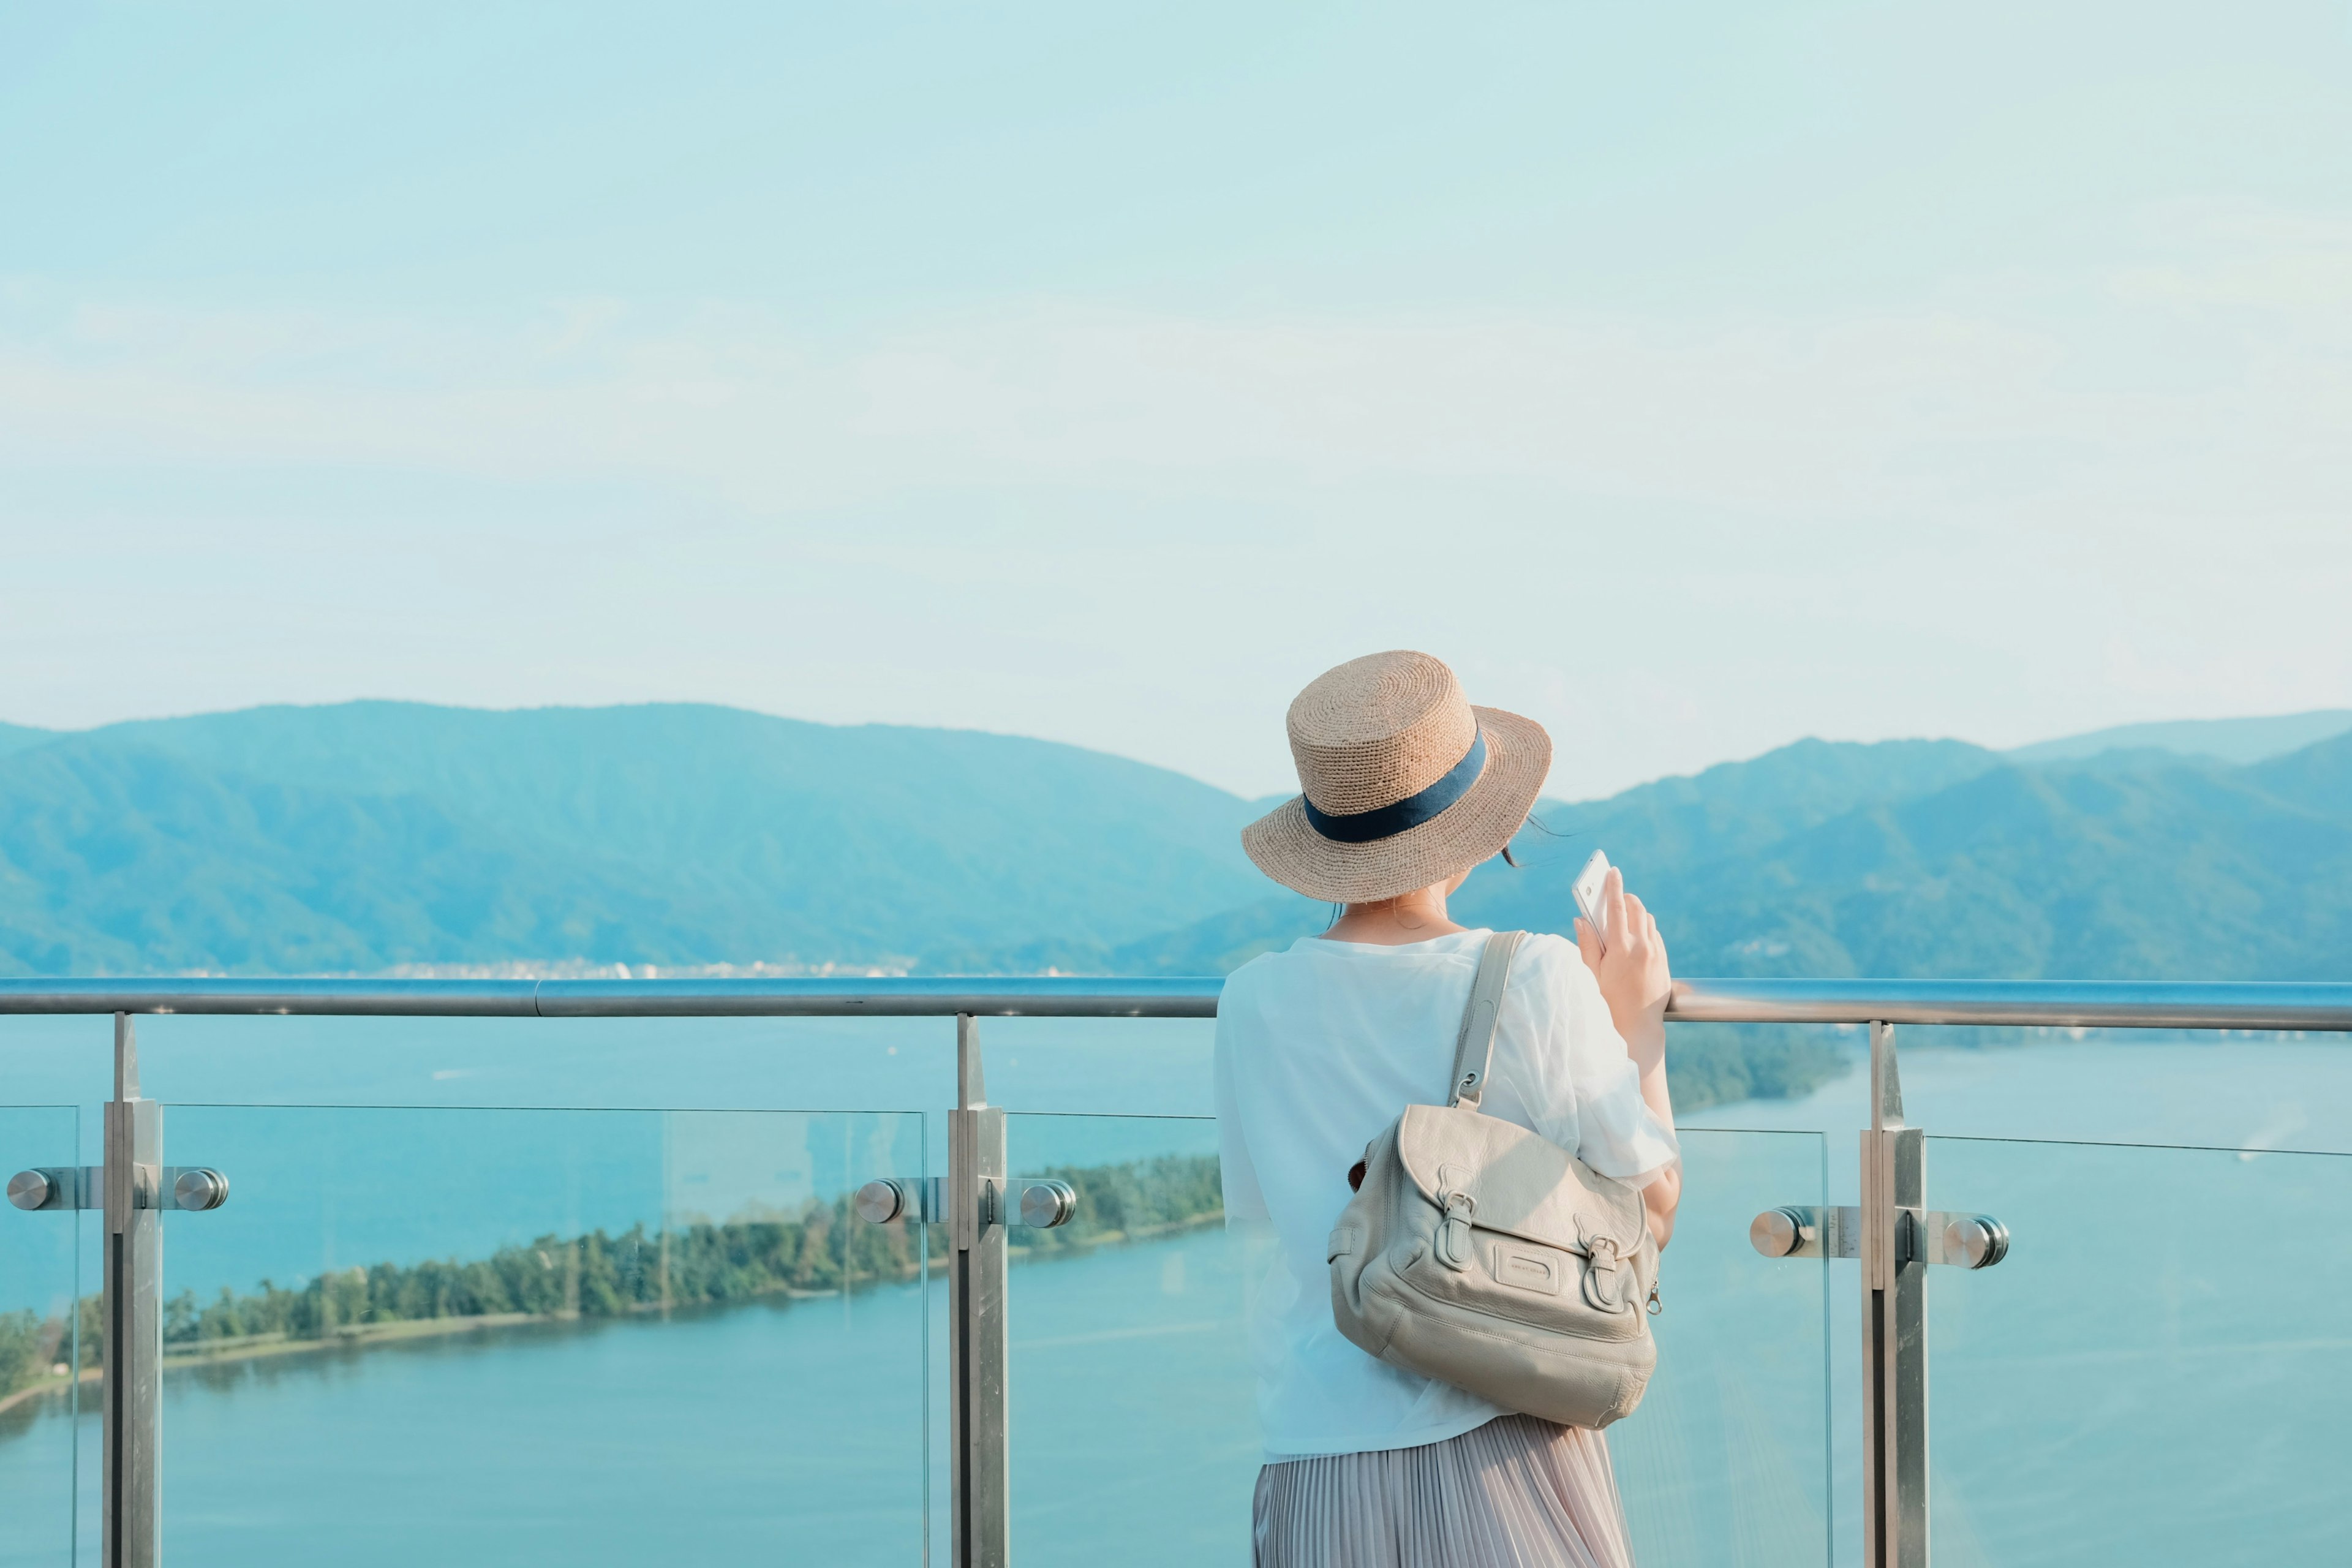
{"points": [[1498, 1176]]}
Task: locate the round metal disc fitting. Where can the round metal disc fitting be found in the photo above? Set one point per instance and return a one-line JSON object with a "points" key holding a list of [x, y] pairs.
{"points": [[1777, 1233], [1980, 1241], [880, 1202], [199, 1190], [1044, 1204], [30, 1189]]}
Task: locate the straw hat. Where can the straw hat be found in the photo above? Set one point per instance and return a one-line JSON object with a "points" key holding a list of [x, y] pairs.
{"points": [[1405, 783]]}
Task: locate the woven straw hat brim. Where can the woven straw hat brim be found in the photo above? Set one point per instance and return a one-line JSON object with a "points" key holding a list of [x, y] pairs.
{"points": [[1286, 848]]}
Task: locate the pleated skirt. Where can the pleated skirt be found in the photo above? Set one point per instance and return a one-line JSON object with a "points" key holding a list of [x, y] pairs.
{"points": [[1515, 1493]]}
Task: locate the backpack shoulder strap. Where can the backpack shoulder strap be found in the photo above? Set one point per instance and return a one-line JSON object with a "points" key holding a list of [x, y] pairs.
{"points": [[1473, 1050]]}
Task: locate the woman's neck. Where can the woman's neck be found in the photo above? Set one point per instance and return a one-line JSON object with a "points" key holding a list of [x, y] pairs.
{"points": [[1408, 916]]}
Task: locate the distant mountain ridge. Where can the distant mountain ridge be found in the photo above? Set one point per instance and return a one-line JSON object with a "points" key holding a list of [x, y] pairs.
{"points": [[2240, 740], [2067, 870], [365, 835], [16, 737], [1932, 859]]}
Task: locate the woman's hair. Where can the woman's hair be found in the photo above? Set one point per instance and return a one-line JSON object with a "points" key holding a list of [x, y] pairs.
{"points": [[1537, 823], [1509, 859]]}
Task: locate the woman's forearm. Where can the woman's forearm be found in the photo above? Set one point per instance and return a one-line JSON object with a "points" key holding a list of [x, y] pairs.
{"points": [[1663, 1195], [1648, 1049], [1635, 981]]}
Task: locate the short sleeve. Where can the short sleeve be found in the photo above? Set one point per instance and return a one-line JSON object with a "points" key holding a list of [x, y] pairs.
{"points": [[1244, 1200], [1583, 1091]]}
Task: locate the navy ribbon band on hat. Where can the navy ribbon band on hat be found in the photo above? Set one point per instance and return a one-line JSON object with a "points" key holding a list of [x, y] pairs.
{"points": [[1388, 821]]}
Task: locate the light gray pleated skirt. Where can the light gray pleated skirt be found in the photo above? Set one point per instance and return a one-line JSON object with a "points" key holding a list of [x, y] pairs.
{"points": [[1515, 1493]]}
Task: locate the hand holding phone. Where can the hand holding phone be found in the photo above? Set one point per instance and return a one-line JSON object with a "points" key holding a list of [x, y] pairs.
{"points": [[1586, 890], [1627, 955]]}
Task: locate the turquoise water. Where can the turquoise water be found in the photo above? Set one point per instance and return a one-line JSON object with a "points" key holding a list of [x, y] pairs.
{"points": [[792, 1432], [2160, 1373]]}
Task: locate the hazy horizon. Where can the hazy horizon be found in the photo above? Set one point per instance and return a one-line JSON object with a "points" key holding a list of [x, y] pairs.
{"points": [[2294, 735]]}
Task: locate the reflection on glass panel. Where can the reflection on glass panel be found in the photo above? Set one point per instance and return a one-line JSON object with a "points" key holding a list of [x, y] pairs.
{"points": [[42, 1352], [542, 1337], [2158, 1373], [1133, 1413], [1726, 1462]]}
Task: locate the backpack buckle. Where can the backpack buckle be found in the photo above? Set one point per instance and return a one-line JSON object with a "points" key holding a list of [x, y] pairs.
{"points": [[1454, 1247]]}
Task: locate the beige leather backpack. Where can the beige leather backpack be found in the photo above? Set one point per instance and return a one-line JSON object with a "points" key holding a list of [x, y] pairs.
{"points": [[1481, 1254]]}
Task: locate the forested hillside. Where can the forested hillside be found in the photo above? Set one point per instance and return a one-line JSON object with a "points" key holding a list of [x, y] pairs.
{"points": [[1916, 859], [368, 836]]}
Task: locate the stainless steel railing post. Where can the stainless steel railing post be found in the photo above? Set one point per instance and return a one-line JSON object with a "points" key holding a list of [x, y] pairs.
{"points": [[133, 1315], [1894, 1259], [979, 1494]]}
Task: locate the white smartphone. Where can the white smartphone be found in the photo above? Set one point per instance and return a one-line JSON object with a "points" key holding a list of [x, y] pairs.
{"points": [[1586, 890]]}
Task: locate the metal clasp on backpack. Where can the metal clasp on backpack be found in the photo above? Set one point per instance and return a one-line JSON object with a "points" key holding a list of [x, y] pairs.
{"points": [[1604, 1290], [1454, 1247]]}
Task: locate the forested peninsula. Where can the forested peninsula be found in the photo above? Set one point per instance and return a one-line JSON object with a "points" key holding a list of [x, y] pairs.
{"points": [[639, 1273]]}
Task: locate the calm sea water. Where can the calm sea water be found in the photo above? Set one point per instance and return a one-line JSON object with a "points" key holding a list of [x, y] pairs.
{"points": [[2161, 1372]]}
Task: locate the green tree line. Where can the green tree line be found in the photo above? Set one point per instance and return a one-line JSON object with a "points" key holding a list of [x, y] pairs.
{"points": [[822, 1247], [29, 1344]]}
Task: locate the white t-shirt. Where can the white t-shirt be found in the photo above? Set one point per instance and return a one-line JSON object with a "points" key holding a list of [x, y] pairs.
{"points": [[1318, 1049]]}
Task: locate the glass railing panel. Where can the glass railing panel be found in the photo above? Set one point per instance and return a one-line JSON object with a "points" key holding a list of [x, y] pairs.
{"points": [[43, 1357], [520, 1337], [1100, 1067], [1133, 1411], [1727, 1462], [2159, 1372], [1133, 1415]]}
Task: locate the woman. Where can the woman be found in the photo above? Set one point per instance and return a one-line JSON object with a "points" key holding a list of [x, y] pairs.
{"points": [[1407, 788]]}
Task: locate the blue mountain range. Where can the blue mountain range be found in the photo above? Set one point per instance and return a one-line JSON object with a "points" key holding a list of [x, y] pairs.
{"points": [[362, 837]]}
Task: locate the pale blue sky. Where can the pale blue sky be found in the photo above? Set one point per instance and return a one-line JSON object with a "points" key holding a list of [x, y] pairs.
{"points": [[1693, 377]]}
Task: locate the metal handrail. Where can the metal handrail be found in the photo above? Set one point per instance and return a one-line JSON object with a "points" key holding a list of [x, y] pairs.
{"points": [[2322, 1005], [2052, 1004]]}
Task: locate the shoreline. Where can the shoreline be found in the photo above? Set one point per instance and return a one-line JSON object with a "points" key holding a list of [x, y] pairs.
{"points": [[50, 1383], [364, 1336]]}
